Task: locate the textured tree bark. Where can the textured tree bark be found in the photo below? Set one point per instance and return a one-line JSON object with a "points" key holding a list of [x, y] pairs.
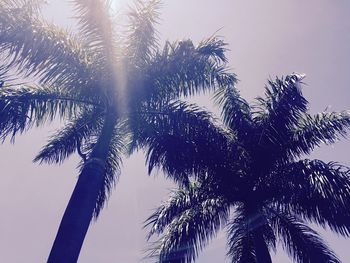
{"points": [[79, 212]]}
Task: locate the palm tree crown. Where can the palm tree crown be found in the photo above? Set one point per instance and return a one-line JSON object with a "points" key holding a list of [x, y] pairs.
{"points": [[101, 84], [250, 176]]}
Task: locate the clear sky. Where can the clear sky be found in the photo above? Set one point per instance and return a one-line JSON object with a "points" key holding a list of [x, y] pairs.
{"points": [[266, 38]]}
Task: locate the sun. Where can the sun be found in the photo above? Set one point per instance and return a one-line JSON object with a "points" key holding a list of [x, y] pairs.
{"points": [[117, 5]]}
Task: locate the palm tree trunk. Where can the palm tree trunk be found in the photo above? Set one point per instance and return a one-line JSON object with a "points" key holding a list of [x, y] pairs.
{"points": [[261, 250], [79, 212]]}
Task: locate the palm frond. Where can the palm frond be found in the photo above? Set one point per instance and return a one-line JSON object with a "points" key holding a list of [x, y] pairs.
{"points": [[182, 69], [214, 49], [95, 24], [100, 38], [23, 107], [302, 243], [142, 41], [30, 6], [236, 112], [317, 191], [281, 108], [71, 138], [249, 235], [42, 51], [312, 131], [179, 201], [240, 242], [187, 230], [178, 139]]}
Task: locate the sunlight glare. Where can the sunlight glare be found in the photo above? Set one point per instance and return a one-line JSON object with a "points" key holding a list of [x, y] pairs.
{"points": [[117, 5]]}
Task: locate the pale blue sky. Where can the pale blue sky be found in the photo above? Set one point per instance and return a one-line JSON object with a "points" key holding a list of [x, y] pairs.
{"points": [[266, 38]]}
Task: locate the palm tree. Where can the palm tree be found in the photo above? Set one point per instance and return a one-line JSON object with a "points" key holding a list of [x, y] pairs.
{"points": [[101, 85], [250, 175]]}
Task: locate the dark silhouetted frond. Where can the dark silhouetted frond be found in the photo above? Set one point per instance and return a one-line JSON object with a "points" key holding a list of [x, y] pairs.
{"points": [[178, 139], [240, 242], [253, 164], [250, 235], [180, 200], [71, 138], [182, 69], [322, 128], [189, 228], [23, 107], [302, 243], [283, 102], [214, 48], [235, 110], [280, 110], [317, 191]]}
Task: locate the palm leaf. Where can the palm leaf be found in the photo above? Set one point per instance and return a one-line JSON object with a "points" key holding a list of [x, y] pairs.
{"points": [[39, 50], [190, 228], [312, 131], [280, 110], [236, 112], [99, 37], [302, 243], [180, 200], [71, 138], [95, 23], [249, 235], [183, 69], [21, 108], [142, 36], [317, 191], [178, 138], [30, 6], [240, 242]]}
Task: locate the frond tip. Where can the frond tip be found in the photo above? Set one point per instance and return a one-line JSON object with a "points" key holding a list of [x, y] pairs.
{"points": [[142, 40], [190, 219], [71, 138], [301, 242], [23, 107], [41, 51]]}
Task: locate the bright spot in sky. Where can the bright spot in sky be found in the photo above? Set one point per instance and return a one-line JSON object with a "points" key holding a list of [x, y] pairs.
{"points": [[118, 5]]}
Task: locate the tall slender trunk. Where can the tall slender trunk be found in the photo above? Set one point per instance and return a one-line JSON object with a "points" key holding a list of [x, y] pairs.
{"points": [[261, 250], [79, 212]]}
